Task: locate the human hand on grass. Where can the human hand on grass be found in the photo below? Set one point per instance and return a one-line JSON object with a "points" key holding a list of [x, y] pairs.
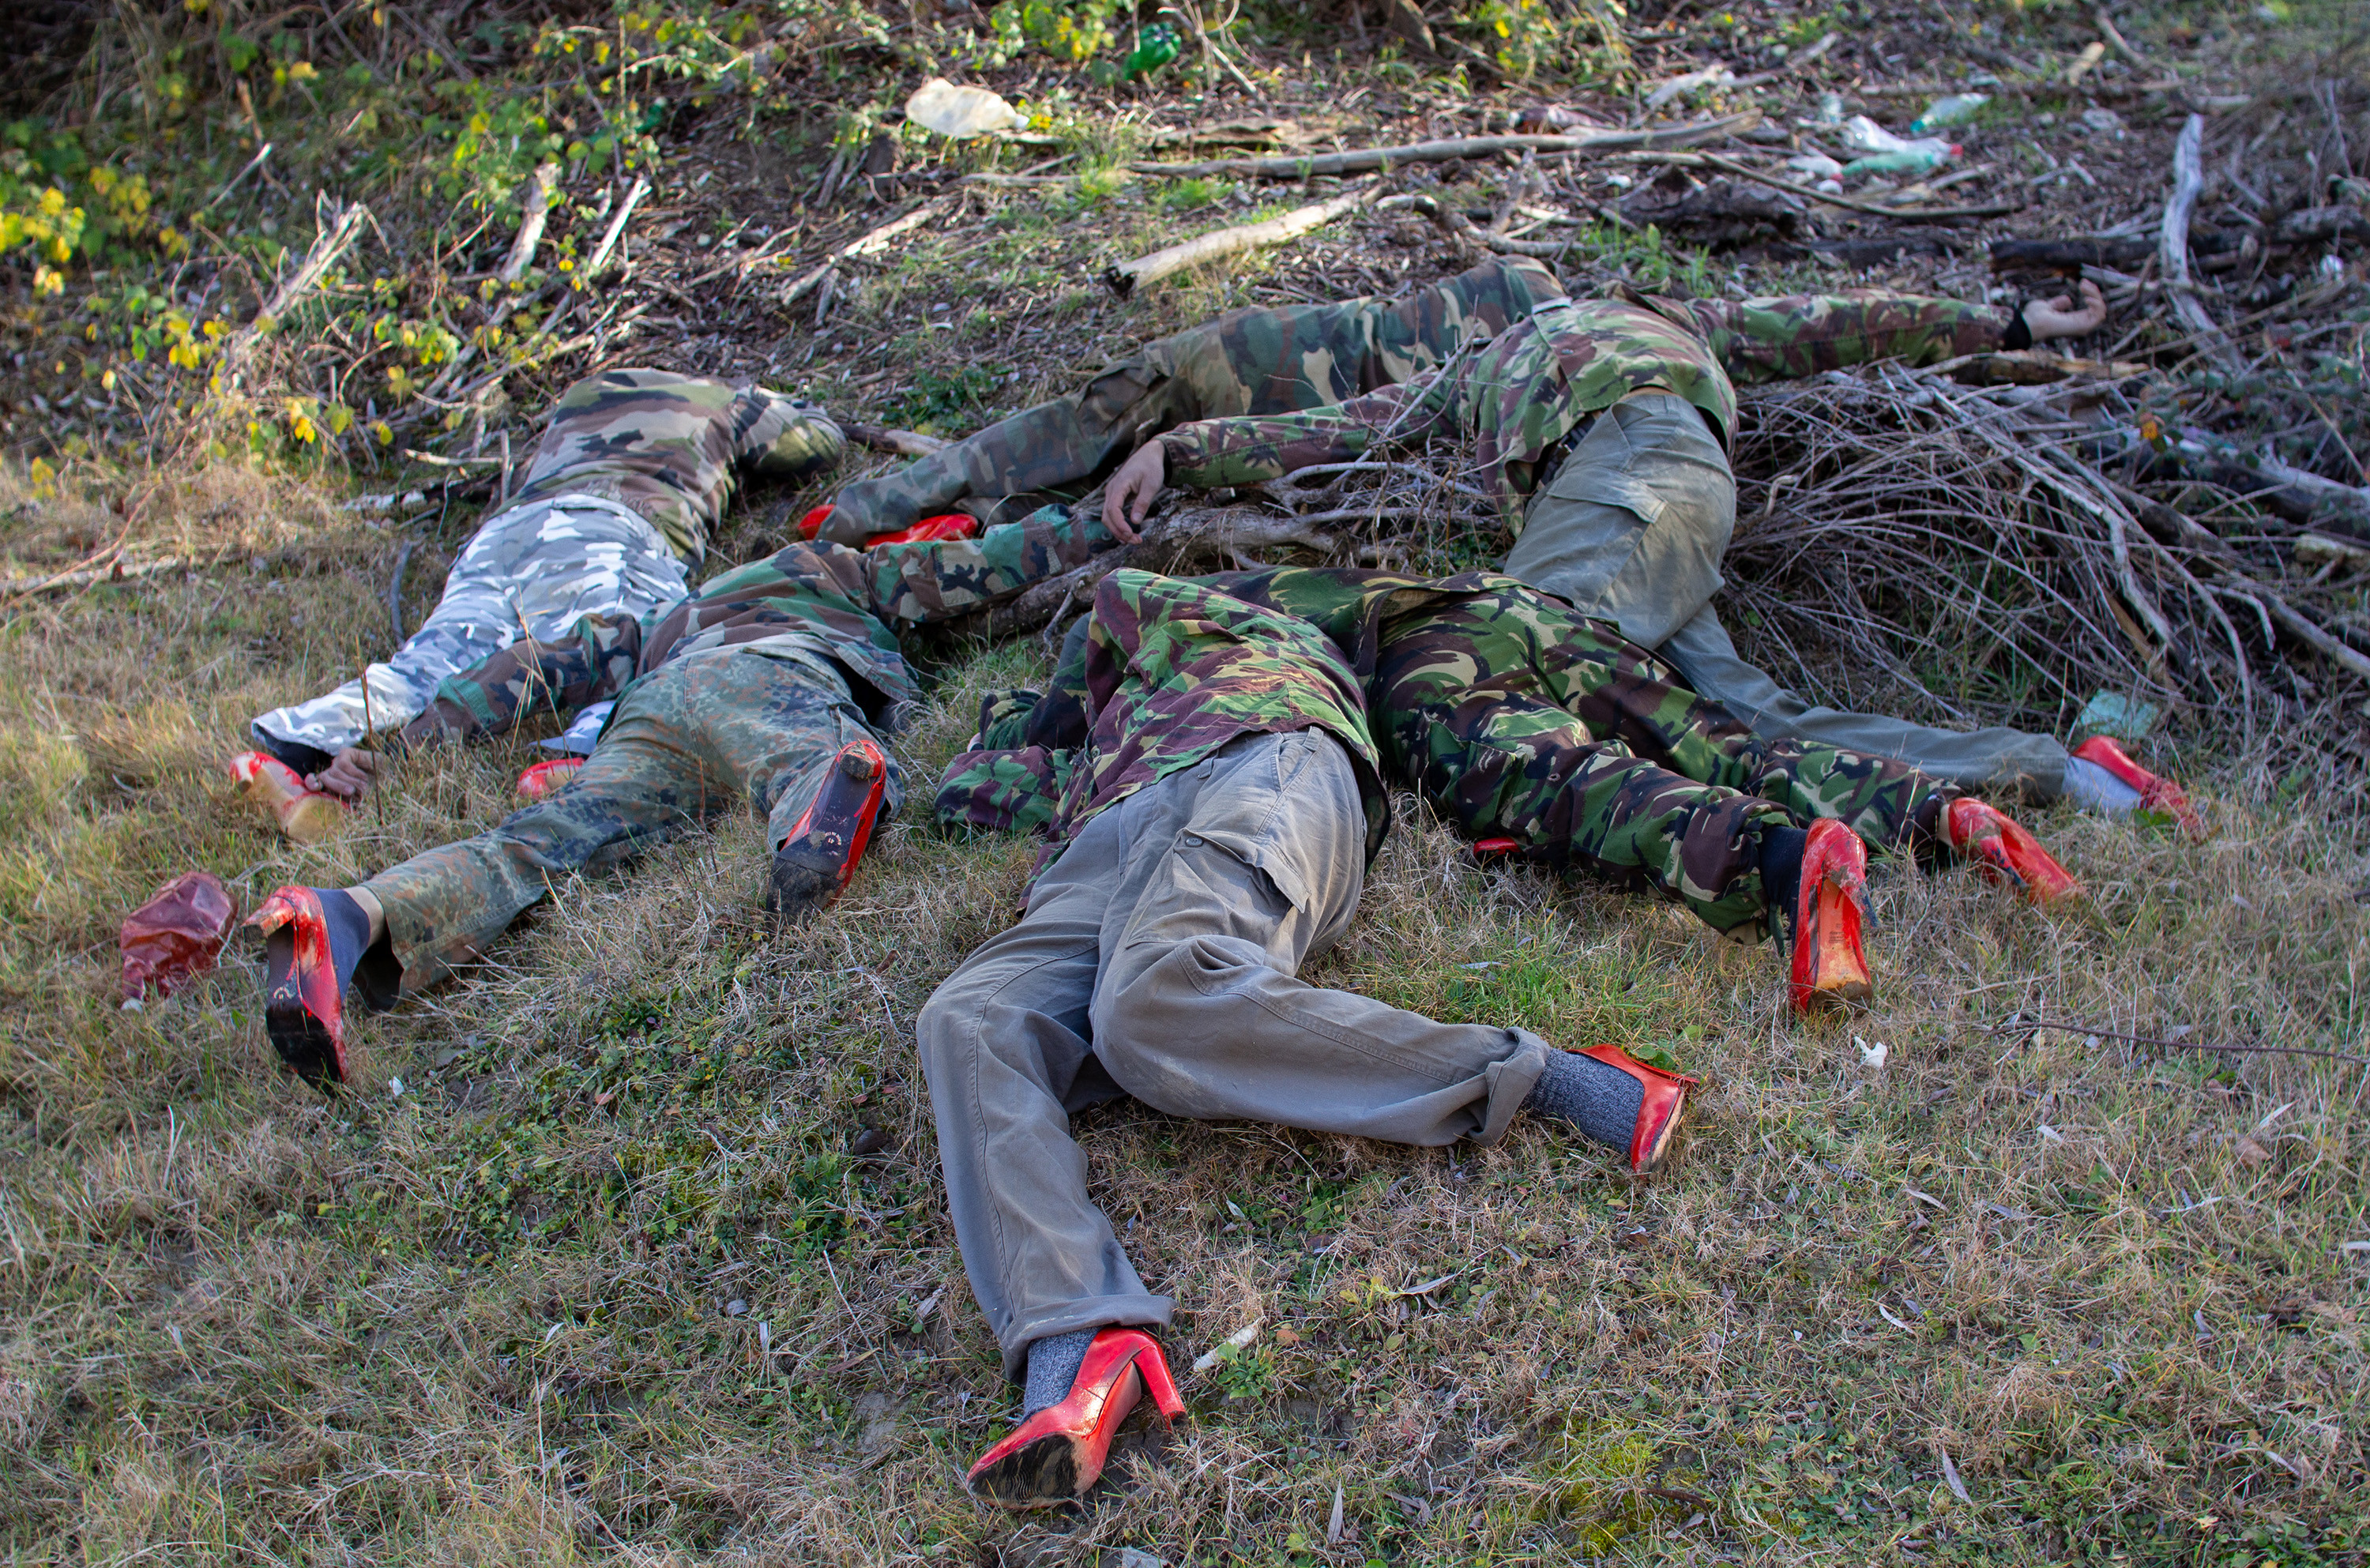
{"points": [[2047, 319], [350, 774], [1129, 497]]}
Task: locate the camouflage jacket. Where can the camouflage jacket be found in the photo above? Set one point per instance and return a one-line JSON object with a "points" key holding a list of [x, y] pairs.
{"points": [[1518, 395], [1168, 671], [845, 600]]}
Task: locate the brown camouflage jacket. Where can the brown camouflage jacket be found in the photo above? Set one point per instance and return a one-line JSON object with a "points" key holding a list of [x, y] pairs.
{"points": [[1517, 395], [848, 600]]}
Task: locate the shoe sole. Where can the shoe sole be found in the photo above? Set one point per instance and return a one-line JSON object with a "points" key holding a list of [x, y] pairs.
{"points": [[1044, 1474]]}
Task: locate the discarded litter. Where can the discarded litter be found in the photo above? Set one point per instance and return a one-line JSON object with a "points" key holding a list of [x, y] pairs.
{"points": [[1866, 137], [176, 936], [1956, 109], [950, 111], [1159, 46]]}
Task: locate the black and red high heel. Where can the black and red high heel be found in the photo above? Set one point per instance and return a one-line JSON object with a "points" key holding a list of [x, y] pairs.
{"points": [[314, 958], [1664, 1104], [1830, 961], [814, 863], [1057, 1454]]}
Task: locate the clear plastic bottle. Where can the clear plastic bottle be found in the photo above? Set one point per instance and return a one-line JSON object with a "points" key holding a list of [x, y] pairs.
{"points": [[176, 936], [1866, 137], [1956, 109]]}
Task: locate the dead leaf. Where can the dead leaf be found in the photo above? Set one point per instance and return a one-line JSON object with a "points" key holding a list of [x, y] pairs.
{"points": [[2250, 1153]]}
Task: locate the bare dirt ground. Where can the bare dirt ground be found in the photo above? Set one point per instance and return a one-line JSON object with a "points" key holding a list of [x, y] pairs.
{"points": [[630, 1246]]}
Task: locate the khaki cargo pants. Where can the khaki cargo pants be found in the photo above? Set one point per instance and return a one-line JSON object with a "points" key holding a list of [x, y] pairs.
{"points": [[1157, 959]]}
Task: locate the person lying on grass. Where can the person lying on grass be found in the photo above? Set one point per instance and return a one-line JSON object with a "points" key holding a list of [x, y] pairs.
{"points": [[1600, 427], [1247, 362], [1544, 734], [632, 476], [1210, 828], [775, 683]]}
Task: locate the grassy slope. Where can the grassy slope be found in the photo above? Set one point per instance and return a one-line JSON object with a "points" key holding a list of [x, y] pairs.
{"points": [[515, 1313]]}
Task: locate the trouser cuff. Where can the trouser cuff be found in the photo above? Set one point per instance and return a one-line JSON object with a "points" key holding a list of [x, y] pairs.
{"points": [[1093, 1312]]}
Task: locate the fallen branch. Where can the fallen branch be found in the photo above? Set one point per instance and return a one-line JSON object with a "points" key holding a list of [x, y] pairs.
{"points": [[1124, 278], [2028, 368], [2033, 1026], [1362, 160], [1729, 166], [540, 191], [328, 245], [610, 235], [116, 571], [2172, 242], [1464, 228], [865, 245]]}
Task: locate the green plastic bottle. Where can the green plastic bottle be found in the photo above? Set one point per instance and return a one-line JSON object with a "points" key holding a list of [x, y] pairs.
{"points": [[1158, 47]]}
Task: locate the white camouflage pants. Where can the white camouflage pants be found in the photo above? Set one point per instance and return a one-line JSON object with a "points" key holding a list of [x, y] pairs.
{"points": [[533, 569]]}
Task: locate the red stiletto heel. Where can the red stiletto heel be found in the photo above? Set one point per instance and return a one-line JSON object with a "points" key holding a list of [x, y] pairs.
{"points": [[2158, 795], [1058, 1453], [2005, 852], [303, 1006], [1659, 1113], [1830, 962]]}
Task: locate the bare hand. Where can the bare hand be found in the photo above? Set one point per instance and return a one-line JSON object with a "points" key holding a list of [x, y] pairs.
{"points": [[349, 774], [1128, 498], [2047, 319]]}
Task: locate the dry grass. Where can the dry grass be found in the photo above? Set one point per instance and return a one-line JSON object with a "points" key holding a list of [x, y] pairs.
{"points": [[524, 1311], [605, 1283]]}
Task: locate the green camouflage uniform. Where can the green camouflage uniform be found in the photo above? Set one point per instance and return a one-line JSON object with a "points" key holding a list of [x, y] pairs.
{"points": [[1513, 717], [746, 691], [628, 483], [1247, 362], [1518, 396], [1167, 672]]}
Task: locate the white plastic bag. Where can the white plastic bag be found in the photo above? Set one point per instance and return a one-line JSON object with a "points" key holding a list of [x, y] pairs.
{"points": [[950, 111]]}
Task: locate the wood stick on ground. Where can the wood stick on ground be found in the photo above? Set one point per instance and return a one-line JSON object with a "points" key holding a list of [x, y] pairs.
{"points": [[1464, 228], [328, 245], [2172, 242], [1362, 160], [1124, 277], [616, 230], [865, 244], [116, 571], [1741, 172], [540, 191]]}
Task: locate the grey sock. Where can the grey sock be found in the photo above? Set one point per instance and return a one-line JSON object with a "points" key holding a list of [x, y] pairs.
{"points": [[1595, 1097], [2094, 789], [1053, 1364]]}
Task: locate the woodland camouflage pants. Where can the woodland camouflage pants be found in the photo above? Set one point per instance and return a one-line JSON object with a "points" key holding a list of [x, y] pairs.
{"points": [[631, 478], [1515, 716], [693, 737], [1247, 362]]}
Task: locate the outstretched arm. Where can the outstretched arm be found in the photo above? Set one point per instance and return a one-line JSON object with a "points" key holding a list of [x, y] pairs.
{"points": [[1794, 335], [937, 579]]}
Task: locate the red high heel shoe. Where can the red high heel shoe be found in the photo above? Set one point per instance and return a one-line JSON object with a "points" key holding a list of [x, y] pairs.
{"points": [[546, 778], [1979, 832], [2158, 795], [303, 1004], [304, 814], [1830, 964], [1058, 1453], [816, 860], [1659, 1113]]}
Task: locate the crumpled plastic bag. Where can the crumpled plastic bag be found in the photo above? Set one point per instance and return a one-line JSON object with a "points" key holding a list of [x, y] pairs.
{"points": [[176, 936], [950, 111]]}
